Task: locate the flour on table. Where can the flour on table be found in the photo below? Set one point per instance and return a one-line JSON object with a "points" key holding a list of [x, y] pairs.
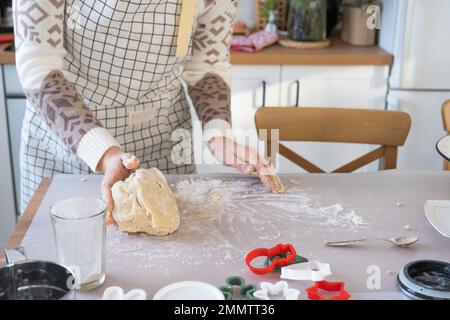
{"points": [[250, 202], [225, 218]]}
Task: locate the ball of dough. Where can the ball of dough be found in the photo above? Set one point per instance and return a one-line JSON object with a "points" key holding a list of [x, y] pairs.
{"points": [[145, 203]]}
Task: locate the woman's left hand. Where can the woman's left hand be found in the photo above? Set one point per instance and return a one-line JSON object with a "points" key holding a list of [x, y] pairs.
{"points": [[246, 160]]}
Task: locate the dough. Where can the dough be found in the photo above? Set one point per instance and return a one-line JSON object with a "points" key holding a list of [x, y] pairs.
{"points": [[145, 203], [270, 178]]}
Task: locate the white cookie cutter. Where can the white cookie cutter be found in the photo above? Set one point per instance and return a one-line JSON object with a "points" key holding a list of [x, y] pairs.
{"points": [[117, 293], [269, 290], [312, 270]]}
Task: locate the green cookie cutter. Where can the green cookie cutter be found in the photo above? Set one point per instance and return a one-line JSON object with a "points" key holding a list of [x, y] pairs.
{"points": [[298, 259], [245, 289]]}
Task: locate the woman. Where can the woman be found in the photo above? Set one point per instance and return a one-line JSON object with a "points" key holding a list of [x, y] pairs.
{"points": [[102, 80]]}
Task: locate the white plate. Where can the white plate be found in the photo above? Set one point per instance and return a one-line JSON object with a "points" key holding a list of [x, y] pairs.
{"points": [[443, 147], [438, 213], [189, 290]]}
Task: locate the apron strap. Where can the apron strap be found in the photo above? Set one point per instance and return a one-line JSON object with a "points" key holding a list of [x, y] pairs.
{"points": [[185, 27]]}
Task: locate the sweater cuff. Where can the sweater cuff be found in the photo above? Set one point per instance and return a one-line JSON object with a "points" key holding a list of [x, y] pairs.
{"points": [[216, 128], [93, 146]]}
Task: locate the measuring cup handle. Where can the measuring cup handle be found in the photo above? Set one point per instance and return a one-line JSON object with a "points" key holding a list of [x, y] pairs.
{"points": [[14, 255]]}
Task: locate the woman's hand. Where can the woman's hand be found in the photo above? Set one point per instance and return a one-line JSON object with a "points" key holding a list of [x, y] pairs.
{"points": [[246, 160], [116, 166]]}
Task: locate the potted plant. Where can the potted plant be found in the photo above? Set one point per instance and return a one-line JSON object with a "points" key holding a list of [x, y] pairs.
{"points": [[269, 8], [307, 20]]}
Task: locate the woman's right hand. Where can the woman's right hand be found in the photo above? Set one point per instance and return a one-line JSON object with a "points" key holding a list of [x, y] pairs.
{"points": [[116, 166]]}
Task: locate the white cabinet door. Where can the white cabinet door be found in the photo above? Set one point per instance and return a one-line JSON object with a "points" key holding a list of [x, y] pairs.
{"points": [[16, 111], [252, 87], [332, 86], [424, 108], [13, 86], [8, 209]]}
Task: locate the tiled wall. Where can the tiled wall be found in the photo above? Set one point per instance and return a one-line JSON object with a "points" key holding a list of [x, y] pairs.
{"points": [[245, 11]]}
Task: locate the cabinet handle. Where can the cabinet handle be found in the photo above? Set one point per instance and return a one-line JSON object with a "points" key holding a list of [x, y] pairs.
{"points": [[297, 94], [264, 85]]}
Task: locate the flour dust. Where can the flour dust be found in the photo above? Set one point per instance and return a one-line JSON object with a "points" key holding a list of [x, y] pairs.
{"points": [[224, 218]]}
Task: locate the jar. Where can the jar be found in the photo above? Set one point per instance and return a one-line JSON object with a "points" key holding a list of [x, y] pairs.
{"points": [[307, 20], [355, 18]]}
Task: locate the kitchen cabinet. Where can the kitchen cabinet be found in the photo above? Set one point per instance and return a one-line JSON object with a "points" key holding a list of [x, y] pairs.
{"points": [[332, 86], [8, 210], [16, 111], [13, 88]]}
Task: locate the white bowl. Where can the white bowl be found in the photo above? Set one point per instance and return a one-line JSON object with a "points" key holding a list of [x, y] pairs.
{"points": [[189, 290]]}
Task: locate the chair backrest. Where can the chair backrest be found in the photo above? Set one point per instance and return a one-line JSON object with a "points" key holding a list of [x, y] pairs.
{"points": [[389, 129], [446, 119]]}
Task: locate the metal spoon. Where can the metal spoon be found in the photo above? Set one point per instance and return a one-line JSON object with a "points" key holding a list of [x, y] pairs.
{"points": [[401, 241]]}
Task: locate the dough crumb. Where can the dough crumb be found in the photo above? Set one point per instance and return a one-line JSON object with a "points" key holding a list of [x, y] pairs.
{"points": [[83, 179], [262, 229], [407, 227], [390, 273], [296, 182], [215, 198], [399, 204], [205, 215]]}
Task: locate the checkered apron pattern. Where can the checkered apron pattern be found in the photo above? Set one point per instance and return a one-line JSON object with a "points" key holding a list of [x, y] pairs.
{"points": [[121, 57]]}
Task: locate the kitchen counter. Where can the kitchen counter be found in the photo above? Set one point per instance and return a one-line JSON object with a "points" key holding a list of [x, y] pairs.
{"points": [[214, 238], [6, 57], [338, 53]]}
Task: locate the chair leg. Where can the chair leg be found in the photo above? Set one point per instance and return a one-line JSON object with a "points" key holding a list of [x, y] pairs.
{"points": [[446, 165], [390, 158]]}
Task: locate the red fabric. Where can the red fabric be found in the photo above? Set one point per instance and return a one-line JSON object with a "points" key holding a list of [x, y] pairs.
{"points": [[254, 42]]}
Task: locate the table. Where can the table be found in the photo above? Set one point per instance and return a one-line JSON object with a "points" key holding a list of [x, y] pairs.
{"points": [[223, 217]]}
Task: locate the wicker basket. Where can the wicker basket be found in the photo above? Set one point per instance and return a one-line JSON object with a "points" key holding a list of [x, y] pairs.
{"points": [[282, 15]]}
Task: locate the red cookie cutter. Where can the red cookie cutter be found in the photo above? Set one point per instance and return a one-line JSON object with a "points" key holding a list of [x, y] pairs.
{"points": [[287, 250], [314, 294]]}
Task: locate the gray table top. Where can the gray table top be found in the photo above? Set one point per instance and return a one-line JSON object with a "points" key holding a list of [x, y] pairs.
{"points": [[224, 217]]}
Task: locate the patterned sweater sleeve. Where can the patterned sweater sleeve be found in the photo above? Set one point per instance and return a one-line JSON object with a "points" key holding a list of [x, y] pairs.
{"points": [[208, 72], [40, 52]]}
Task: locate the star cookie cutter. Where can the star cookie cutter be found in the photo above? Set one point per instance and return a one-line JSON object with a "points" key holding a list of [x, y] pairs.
{"points": [[298, 259], [313, 270], [269, 290], [117, 293], [286, 252], [339, 287], [245, 289]]}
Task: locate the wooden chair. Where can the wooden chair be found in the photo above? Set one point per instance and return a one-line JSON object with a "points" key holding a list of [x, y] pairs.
{"points": [[389, 129], [446, 119]]}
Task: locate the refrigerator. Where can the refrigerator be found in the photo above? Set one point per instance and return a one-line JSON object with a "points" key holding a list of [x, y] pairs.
{"points": [[417, 33]]}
